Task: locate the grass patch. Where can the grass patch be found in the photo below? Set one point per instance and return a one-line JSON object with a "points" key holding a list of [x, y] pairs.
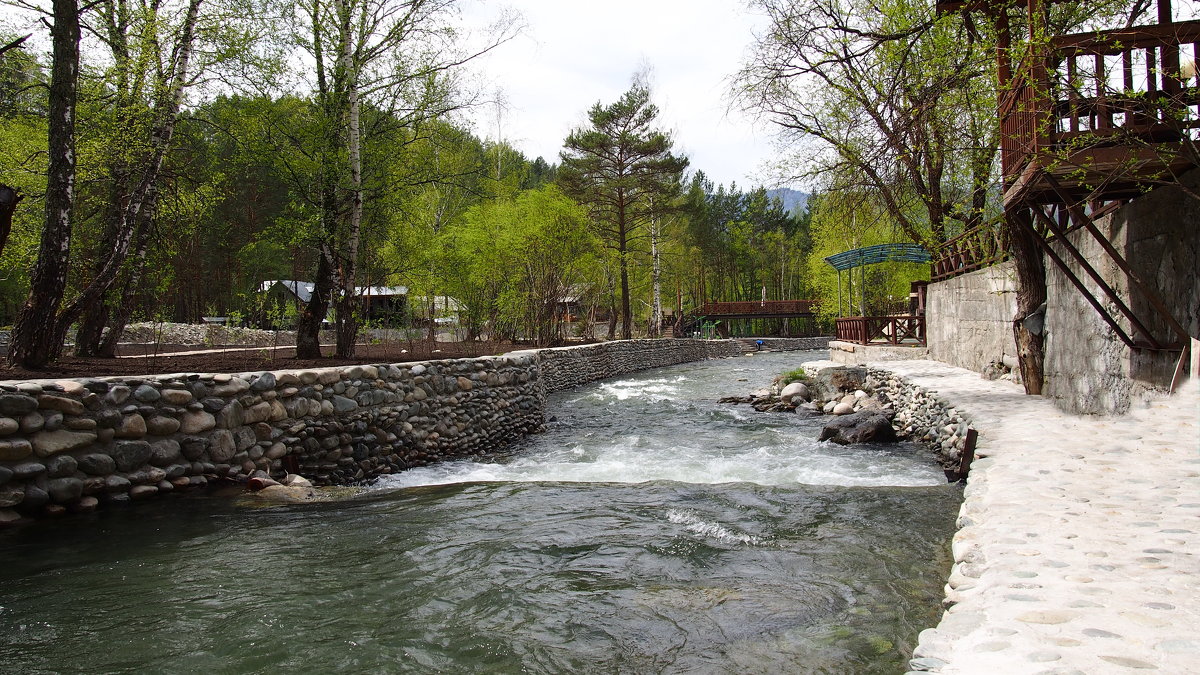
{"points": [[797, 375]]}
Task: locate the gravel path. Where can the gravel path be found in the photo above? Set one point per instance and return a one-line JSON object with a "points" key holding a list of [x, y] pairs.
{"points": [[1079, 542]]}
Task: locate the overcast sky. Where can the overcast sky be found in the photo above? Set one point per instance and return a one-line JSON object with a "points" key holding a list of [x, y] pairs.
{"points": [[574, 53]]}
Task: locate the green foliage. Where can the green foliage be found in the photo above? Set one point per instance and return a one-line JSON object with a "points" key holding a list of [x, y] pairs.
{"points": [[741, 243], [797, 375], [512, 263], [841, 223]]}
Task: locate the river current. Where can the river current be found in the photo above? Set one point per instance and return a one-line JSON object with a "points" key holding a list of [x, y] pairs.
{"points": [[650, 529]]}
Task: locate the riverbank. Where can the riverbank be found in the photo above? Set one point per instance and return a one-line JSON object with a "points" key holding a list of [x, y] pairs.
{"points": [[1077, 541]]}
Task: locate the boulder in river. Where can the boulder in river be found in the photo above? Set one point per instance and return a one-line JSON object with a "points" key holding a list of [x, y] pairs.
{"points": [[865, 426], [795, 393], [835, 381]]}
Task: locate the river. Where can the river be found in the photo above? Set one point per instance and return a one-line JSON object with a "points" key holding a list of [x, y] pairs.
{"points": [[648, 530]]}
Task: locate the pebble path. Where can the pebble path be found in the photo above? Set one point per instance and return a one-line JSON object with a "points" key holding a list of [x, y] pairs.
{"points": [[1078, 549]]}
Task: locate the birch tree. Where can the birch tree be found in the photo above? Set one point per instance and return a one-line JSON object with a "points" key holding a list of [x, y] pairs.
{"points": [[398, 58]]}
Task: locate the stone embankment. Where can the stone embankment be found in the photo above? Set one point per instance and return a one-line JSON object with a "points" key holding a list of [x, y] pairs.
{"points": [[1077, 540], [72, 445], [925, 416]]}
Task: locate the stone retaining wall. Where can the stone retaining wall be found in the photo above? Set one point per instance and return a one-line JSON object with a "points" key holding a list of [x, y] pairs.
{"points": [[923, 415], [1088, 369], [969, 318], [793, 344], [70, 445], [567, 367]]}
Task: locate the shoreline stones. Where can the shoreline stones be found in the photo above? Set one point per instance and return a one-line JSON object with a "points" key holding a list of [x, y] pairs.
{"points": [[872, 405]]}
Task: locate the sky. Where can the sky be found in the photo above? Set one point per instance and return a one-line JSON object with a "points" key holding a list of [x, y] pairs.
{"points": [[575, 53]]}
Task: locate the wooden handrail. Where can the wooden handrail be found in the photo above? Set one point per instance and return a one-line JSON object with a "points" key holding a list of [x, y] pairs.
{"points": [[894, 330]]}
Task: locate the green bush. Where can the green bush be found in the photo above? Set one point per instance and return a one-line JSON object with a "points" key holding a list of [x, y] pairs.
{"points": [[797, 375]]}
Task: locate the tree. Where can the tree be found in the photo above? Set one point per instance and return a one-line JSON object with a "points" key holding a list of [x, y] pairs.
{"points": [[896, 100], [152, 66], [514, 262], [36, 331], [397, 57], [621, 168]]}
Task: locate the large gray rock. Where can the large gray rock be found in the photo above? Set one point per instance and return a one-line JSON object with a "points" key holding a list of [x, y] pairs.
{"points": [[130, 455], [795, 393], [97, 464], [47, 443], [833, 382], [867, 426], [222, 446], [15, 405]]}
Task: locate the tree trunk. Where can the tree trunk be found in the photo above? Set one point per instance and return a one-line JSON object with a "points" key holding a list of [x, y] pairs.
{"points": [[308, 326], [9, 198], [656, 311], [33, 339], [166, 115], [347, 306], [124, 306], [1031, 294]]}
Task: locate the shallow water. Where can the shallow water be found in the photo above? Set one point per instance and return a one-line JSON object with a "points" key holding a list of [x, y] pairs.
{"points": [[650, 529]]}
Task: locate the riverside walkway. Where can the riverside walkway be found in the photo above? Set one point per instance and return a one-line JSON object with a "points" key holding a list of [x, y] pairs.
{"points": [[1078, 548]]}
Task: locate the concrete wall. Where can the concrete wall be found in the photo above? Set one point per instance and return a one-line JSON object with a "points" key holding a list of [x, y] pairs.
{"points": [[73, 445], [1088, 369], [969, 322]]}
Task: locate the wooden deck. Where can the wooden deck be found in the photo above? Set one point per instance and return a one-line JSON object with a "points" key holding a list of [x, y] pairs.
{"points": [[1101, 116]]}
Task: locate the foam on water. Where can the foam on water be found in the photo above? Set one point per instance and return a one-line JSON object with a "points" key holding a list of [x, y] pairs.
{"points": [[704, 528], [667, 426]]}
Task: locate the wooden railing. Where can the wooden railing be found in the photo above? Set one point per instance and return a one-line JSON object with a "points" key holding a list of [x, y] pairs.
{"points": [[978, 247], [893, 330], [1108, 87], [1021, 131]]}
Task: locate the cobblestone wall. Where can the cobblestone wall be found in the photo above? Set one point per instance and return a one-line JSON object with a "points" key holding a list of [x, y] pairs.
{"points": [[568, 367], [924, 416], [72, 445]]}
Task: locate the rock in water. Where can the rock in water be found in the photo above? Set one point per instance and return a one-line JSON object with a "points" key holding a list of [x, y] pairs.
{"points": [[837, 380], [867, 426], [795, 393]]}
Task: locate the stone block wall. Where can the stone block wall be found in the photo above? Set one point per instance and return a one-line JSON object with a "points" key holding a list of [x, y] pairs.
{"points": [[1088, 368], [72, 444], [969, 322]]}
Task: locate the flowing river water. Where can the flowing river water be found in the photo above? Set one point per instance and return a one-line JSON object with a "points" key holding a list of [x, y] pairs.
{"points": [[649, 530]]}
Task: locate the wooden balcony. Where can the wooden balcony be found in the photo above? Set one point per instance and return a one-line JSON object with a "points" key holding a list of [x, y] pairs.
{"points": [[1100, 116]]}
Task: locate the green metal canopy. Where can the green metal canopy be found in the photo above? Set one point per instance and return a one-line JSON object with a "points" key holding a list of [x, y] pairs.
{"points": [[880, 253]]}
